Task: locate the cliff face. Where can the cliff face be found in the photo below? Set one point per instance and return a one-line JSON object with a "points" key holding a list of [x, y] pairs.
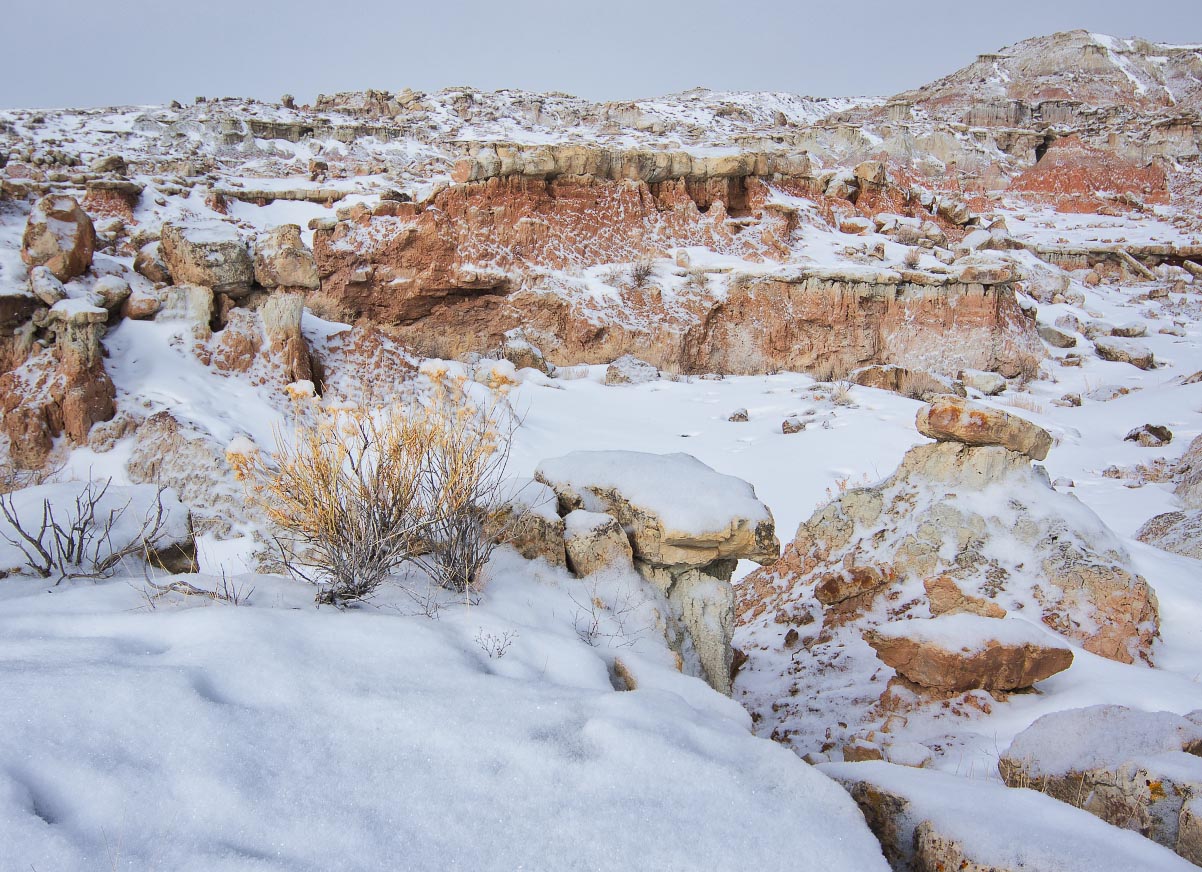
{"points": [[477, 259]]}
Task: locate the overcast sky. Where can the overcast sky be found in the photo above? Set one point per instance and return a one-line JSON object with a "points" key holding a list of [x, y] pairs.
{"points": [[86, 52]]}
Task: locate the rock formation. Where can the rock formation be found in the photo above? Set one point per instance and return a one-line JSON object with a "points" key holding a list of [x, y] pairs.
{"points": [[1137, 770], [59, 236], [687, 526], [968, 528], [212, 255]]}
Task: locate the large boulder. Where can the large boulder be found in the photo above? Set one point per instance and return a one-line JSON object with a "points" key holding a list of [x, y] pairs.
{"points": [[958, 652], [1120, 350], [937, 822], [282, 260], [950, 419], [1188, 475], [212, 254], [595, 542], [1134, 769], [688, 527], [60, 236], [956, 529]]}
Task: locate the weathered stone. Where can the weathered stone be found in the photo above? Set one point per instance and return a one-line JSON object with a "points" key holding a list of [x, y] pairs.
{"points": [[60, 236], [629, 370], [962, 652], [282, 260], [1124, 351], [595, 543], [1056, 338], [1150, 435], [949, 419], [1133, 769], [149, 263], [945, 597], [1178, 532], [989, 383], [212, 255], [45, 286]]}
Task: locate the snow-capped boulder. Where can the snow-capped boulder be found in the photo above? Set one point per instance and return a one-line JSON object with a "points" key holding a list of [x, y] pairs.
{"points": [[949, 419], [595, 542], [934, 822], [45, 286], [629, 370], [1056, 338], [1150, 435], [688, 527], [149, 264], [988, 383], [1188, 474], [1124, 351], [1131, 768], [212, 254], [522, 353], [1178, 532], [282, 260], [958, 652], [60, 236]]}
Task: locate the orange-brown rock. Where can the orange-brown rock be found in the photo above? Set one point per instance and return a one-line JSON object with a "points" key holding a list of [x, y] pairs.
{"points": [[952, 419], [1073, 176], [61, 390], [963, 652], [59, 235], [945, 597], [456, 273]]}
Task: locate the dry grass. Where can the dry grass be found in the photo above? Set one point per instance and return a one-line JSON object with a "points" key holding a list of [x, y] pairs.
{"points": [[913, 258], [640, 273], [362, 490], [1020, 401]]}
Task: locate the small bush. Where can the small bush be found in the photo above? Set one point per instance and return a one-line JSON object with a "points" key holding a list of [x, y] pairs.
{"points": [[641, 272], [359, 491], [913, 258]]}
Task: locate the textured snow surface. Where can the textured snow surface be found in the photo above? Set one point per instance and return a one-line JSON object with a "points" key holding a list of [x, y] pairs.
{"points": [[276, 736], [1101, 736], [1012, 828], [687, 495]]}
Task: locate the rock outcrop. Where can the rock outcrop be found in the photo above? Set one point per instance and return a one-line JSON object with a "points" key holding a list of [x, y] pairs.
{"points": [[687, 527], [949, 419], [958, 528], [63, 389], [959, 652], [1133, 769], [282, 260], [936, 822], [595, 542], [212, 255], [59, 236], [455, 273]]}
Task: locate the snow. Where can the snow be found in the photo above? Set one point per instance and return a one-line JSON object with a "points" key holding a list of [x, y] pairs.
{"points": [[278, 736], [1009, 828], [687, 496], [969, 633], [1101, 737]]}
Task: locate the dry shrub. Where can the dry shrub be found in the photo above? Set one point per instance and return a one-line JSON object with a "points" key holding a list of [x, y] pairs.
{"points": [[913, 258], [919, 385], [361, 490], [1030, 404], [640, 273]]}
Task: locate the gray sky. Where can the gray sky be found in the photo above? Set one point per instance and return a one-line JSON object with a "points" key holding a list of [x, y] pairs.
{"points": [[84, 52]]}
